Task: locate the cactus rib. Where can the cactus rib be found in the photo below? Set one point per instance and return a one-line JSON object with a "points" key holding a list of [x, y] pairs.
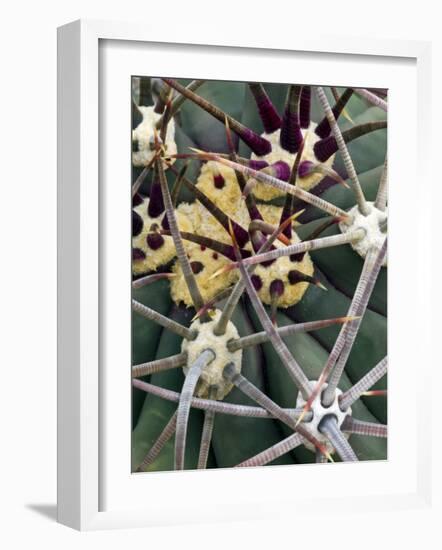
{"points": [[184, 405], [149, 279], [261, 337], [286, 357], [365, 383], [274, 452], [299, 370], [220, 407], [359, 194], [323, 128], [258, 144], [262, 399], [355, 309], [157, 447], [360, 301], [159, 365], [152, 315]]}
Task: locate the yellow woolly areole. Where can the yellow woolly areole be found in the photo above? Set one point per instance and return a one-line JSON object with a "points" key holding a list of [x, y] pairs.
{"points": [[211, 261], [191, 211], [212, 374], [205, 224], [230, 201], [208, 226], [265, 192], [280, 270], [270, 213], [166, 252], [143, 134], [227, 198]]}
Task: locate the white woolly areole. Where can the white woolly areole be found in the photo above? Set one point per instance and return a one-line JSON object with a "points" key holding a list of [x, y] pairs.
{"points": [[144, 136], [265, 192], [371, 224], [212, 374], [319, 412]]}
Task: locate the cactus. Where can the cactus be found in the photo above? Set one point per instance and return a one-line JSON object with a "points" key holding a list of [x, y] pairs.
{"points": [[259, 239]]}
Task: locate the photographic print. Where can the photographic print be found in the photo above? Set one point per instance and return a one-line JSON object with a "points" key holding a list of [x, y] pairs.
{"points": [[259, 274]]}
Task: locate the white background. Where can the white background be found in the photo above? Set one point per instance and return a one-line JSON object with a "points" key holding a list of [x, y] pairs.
{"points": [[28, 276]]}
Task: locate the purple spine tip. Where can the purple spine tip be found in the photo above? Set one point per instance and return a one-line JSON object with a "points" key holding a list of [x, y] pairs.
{"points": [[268, 263], [267, 112], [137, 199], [325, 148], [241, 234], [229, 252], [297, 257], [257, 164], [259, 145], [137, 224], [281, 170], [258, 240], [294, 277], [304, 107], [165, 223], [254, 213], [276, 288], [291, 135], [305, 168], [156, 204], [196, 267], [257, 282], [138, 254], [218, 181], [323, 129], [154, 241], [270, 118]]}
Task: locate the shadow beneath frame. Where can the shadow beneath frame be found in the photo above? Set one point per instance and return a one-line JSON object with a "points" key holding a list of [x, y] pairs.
{"points": [[49, 511]]}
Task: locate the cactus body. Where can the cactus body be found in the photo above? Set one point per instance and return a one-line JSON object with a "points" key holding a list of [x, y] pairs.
{"points": [[297, 320]]}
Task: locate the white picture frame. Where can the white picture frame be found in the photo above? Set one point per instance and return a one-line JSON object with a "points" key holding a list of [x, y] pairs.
{"points": [[82, 398]]}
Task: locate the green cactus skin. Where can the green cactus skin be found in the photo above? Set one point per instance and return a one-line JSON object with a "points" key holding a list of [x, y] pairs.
{"points": [[328, 261], [145, 333], [368, 350], [156, 412], [236, 439], [312, 357]]}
